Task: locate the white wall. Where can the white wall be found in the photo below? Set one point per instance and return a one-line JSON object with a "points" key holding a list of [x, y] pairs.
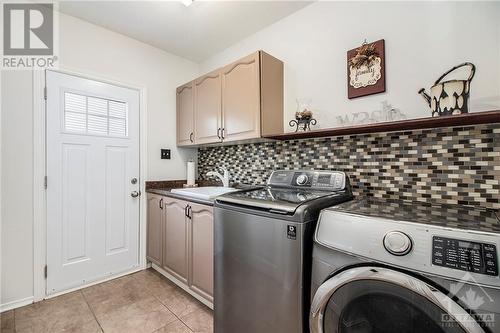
{"points": [[17, 187], [422, 41], [88, 49]]}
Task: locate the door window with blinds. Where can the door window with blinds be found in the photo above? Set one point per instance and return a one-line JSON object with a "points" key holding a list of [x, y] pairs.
{"points": [[95, 116]]}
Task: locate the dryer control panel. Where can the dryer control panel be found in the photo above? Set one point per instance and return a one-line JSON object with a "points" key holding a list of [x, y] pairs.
{"points": [[465, 255]]}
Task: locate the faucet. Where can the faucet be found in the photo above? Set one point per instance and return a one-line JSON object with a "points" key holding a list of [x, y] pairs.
{"points": [[224, 178]]}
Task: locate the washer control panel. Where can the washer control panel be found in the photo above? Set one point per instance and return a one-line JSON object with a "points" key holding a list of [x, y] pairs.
{"points": [[465, 255], [315, 180], [302, 179]]}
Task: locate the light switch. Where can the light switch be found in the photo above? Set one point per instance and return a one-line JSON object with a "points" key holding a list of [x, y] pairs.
{"points": [[165, 154]]}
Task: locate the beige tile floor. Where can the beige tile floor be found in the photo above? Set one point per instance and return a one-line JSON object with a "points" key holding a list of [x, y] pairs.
{"points": [[143, 302]]}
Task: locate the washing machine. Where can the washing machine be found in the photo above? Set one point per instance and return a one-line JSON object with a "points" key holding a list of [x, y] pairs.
{"points": [[263, 250], [387, 266]]}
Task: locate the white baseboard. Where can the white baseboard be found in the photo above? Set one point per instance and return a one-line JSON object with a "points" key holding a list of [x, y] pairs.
{"points": [[16, 304], [182, 285], [115, 276], [29, 300]]}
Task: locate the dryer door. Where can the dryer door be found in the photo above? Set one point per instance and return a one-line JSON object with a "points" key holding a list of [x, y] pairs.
{"points": [[380, 300]]}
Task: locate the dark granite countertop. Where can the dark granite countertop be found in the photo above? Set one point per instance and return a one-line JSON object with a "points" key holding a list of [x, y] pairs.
{"points": [[178, 183], [445, 215], [164, 188], [167, 193]]}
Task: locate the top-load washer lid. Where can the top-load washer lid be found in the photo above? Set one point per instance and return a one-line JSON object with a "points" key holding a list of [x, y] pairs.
{"points": [[278, 199], [287, 190]]}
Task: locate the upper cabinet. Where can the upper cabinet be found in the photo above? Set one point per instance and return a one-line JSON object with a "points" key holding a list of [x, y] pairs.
{"points": [[207, 101], [240, 101], [185, 114]]}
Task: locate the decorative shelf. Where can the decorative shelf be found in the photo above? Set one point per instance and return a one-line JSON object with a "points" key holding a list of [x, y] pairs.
{"points": [[474, 118]]}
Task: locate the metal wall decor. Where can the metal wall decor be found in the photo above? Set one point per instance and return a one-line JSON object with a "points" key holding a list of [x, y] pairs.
{"points": [[450, 97], [303, 120], [366, 69]]}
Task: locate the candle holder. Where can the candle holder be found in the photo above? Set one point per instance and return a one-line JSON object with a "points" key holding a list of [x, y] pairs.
{"points": [[303, 121]]}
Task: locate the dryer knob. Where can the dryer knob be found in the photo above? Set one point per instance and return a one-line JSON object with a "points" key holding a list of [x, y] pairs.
{"points": [[397, 243]]}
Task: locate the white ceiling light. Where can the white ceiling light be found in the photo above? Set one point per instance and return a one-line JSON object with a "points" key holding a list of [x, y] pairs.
{"points": [[187, 3]]}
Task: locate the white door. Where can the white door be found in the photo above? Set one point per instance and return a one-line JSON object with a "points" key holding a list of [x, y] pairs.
{"points": [[92, 161]]}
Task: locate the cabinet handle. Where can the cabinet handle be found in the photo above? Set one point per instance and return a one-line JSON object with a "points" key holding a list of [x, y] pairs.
{"points": [[186, 211], [218, 133], [222, 133], [189, 212], [161, 203], [191, 137]]}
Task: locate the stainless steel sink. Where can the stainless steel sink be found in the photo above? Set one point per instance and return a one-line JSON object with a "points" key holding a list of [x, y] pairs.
{"points": [[204, 193]]}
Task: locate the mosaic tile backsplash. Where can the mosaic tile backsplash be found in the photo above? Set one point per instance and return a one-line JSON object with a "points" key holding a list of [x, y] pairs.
{"points": [[454, 165]]}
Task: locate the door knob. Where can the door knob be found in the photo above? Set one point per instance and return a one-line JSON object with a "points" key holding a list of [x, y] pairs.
{"points": [[135, 194]]}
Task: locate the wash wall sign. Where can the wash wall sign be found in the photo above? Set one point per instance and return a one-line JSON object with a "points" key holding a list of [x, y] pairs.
{"points": [[29, 36]]}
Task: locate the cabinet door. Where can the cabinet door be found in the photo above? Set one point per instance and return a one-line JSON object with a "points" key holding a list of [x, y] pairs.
{"points": [[202, 250], [175, 235], [241, 99], [185, 114], [154, 228], [208, 108]]}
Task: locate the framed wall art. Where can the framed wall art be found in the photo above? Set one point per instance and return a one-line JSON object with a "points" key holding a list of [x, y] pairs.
{"points": [[366, 69]]}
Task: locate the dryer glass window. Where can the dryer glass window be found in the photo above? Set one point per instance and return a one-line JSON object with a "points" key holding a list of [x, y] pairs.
{"points": [[369, 306]]}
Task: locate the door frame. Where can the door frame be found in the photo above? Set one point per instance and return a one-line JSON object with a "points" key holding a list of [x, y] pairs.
{"points": [[40, 169]]}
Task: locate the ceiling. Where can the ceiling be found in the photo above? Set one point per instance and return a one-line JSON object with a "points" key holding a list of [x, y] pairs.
{"points": [[195, 32]]}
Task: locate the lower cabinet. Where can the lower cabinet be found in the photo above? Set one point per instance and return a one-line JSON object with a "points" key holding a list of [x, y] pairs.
{"points": [[201, 235], [180, 241], [175, 238], [154, 247]]}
